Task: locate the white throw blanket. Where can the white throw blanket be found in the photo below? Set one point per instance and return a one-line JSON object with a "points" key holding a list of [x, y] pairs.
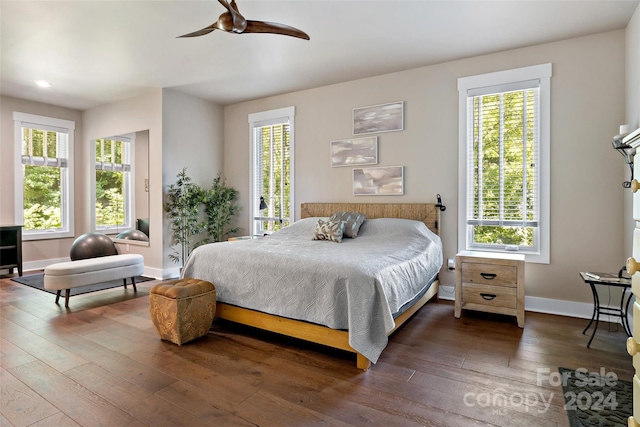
{"points": [[356, 285]]}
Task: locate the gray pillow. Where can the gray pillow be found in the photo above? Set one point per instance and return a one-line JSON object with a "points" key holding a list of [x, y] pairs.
{"points": [[329, 230], [352, 222]]}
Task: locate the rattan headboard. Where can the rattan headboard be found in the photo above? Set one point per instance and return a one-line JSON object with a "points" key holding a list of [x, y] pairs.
{"points": [[425, 212]]}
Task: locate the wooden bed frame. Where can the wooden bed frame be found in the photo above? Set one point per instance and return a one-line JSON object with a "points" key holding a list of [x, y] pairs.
{"points": [[425, 212]]}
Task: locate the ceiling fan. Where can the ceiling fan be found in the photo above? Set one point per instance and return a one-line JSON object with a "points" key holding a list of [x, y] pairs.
{"points": [[232, 21]]}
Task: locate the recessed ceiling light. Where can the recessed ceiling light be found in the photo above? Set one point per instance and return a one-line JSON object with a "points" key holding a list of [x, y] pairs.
{"points": [[42, 83]]}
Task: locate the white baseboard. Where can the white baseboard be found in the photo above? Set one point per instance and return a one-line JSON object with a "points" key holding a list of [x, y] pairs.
{"points": [[580, 310], [559, 307], [171, 273], [447, 292]]}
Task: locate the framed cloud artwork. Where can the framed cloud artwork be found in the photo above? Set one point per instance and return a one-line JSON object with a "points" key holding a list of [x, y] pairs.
{"points": [[378, 118], [378, 181], [354, 152]]}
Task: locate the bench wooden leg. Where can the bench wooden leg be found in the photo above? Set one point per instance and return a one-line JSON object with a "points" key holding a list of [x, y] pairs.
{"points": [[67, 294], [133, 282], [58, 295]]}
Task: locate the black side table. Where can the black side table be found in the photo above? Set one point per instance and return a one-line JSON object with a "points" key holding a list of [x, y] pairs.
{"points": [[11, 248], [608, 279]]}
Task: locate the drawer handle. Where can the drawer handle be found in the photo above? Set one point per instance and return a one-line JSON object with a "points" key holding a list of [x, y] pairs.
{"points": [[632, 346], [632, 266], [635, 185], [488, 297], [488, 276], [631, 422]]}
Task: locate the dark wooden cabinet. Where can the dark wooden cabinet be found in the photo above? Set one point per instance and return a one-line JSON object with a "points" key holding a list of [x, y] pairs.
{"points": [[11, 248]]}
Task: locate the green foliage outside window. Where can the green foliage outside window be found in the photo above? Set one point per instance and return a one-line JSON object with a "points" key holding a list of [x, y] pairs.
{"points": [[110, 192], [504, 166], [42, 200], [275, 147], [501, 235]]}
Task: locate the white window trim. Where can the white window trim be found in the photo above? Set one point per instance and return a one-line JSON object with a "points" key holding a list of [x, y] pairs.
{"points": [[68, 201], [130, 214], [254, 118], [543, 73]]}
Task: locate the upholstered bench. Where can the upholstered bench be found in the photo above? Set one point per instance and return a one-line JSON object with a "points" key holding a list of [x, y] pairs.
{"points": [[182, 309], [73, 274]]}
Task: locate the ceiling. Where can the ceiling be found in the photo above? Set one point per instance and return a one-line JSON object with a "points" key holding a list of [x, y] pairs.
{"points": [[96, 52]]}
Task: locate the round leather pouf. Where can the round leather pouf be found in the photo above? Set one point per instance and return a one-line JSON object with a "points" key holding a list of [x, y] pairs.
{"points": [[92, 245]]}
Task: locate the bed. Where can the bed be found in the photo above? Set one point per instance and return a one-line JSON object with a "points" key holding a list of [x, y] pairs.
{"points": [[350, 295]]}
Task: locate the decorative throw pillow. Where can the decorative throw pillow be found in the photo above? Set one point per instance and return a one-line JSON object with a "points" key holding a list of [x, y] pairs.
{"points": [[352, 220], [329, 230]]}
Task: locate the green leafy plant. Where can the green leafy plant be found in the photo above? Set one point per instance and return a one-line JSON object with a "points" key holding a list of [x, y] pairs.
{"points": [[184, 200], [220, 209]]}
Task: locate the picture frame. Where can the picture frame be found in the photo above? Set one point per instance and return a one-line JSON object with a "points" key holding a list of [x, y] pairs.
{"points": [[354, 152], [378, 118], [378, 181]]}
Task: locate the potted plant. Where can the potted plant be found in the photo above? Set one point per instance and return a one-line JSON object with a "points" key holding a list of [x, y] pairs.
{"points": [[220, 209], [184, 199]]}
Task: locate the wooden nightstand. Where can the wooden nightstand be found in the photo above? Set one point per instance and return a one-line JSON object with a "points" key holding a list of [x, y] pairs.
{"points": [[490, 282]]}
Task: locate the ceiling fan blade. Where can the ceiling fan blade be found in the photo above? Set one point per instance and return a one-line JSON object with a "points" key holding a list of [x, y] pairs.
{"points": [[239, 21], [225, 3], [233, 21], [201, 32], [273, 28]]}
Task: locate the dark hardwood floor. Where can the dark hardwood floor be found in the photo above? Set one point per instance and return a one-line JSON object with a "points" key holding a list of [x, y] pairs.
{"points": [[101, 363]]}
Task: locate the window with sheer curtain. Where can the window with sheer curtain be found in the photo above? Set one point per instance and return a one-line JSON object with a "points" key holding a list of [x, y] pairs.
{"points": [[44, 176], [272, 170], [505, 157]]}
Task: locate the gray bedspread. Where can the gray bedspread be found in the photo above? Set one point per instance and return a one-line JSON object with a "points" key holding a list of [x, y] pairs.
{"points": [[355, 285]]}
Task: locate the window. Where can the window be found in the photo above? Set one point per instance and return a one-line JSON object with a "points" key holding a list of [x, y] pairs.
{"points": [[44, 176], [272, 170], [504, 162], [112, 184]]}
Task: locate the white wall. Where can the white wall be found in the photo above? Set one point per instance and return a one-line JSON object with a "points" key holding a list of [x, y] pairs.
{"points": [[192, 138], [38, 251], [586, 105], [633, 70], [142, 174], [142, 113]]}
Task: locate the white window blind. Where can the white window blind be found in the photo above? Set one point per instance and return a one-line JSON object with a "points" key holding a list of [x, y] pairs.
{"points": [[44, 145], [271, 180], [503, 156], [113, 154], [504, 159], [272, 170]]}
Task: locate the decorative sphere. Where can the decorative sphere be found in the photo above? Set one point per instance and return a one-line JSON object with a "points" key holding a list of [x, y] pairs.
{"points": [[133, 235], [92, 245]]}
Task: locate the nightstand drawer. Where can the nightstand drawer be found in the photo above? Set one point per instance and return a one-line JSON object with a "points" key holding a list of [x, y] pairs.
{"points": [[488, 295], [489, 274]]}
